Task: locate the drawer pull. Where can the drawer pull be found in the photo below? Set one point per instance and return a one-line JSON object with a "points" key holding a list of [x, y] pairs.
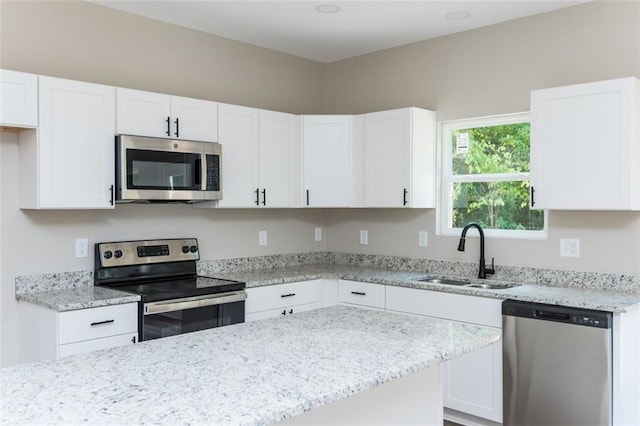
{"points": [[287, 295], [359, 293], [102, 322]]}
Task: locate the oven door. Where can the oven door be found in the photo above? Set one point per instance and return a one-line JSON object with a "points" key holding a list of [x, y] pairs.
{"points": [[171, 317]]}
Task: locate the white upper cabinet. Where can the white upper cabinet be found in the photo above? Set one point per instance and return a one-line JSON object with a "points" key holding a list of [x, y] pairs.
{"points": [[240, 140], [164, 116], [69, 162], [279, 159], [327, 160], [585, 146], [399, 158], [260, 158], [18, 99]]}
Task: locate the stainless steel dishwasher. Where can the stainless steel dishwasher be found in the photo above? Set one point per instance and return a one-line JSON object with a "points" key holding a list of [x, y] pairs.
{"points": [[556, 365]]}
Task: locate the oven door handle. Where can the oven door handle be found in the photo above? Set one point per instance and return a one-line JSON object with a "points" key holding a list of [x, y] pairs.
{"points": [[193, 302]]}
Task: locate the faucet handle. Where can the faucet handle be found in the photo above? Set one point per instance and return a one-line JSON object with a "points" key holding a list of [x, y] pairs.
{"points": [[491, 270]]}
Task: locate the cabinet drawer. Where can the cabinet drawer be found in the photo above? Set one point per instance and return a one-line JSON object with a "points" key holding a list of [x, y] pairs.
{"points": [[364, 294], [97, 344], [281, 295], [455, 307], [281, 312], [96, 323]]}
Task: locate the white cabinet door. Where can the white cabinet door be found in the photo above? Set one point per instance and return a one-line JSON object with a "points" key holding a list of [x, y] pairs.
{"points": [[585, 146], [279, 159], [18, 99], [47, 334], [73, 156], [240, 141], [143, 113], [194, 119], [361, 294], [399, 158], [472, 382], [285, 299], [327, 160]]}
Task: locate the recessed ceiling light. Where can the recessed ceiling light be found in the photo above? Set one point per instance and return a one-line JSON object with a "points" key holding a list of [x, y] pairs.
{"points": [[457, 16], [327, 8]]}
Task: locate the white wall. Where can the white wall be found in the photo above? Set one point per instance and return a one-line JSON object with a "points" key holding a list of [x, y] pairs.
{"points": [[492, 71]]}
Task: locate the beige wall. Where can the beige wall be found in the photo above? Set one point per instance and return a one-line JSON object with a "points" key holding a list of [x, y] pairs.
{"points": [[484, 72], [82, 41]]}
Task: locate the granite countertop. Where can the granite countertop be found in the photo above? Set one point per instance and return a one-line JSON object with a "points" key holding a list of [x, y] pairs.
{"points": [[251, 374], [588, 298], [70, 299], [604, 300]]}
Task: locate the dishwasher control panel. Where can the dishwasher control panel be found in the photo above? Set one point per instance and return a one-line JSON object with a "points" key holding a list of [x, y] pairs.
{"points": [[564, 314]]}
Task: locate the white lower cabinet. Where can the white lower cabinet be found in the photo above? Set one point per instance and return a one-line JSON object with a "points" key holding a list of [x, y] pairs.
{"points": [[287, 299], [361, 294], [472, 382], [48, 334]]}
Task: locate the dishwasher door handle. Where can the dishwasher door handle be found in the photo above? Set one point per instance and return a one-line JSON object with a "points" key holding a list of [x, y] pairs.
{"points": [[551, 315]]}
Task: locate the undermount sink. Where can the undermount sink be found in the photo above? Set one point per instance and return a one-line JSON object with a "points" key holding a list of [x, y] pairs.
{"points": [[444, 281], [464, 283], [492, 286]]}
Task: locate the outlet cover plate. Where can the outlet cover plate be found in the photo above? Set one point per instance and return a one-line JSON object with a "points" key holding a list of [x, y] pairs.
{"points": [[82, 247], [262, 238], [422, 238], [318, 234], [364, 236], [569, 247]]}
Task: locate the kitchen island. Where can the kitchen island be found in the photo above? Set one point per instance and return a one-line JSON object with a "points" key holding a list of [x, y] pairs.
{"points": [[253, 373]]}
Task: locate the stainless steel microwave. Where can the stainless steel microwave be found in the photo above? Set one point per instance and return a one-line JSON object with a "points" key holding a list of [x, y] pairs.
{"points": [[167, 170]]}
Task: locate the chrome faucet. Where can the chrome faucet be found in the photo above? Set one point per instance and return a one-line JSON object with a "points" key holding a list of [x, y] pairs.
{"points": [[483, 271]]}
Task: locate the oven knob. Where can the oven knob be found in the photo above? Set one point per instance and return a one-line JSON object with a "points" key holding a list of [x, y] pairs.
{"points": [[185, 249], [193, 249], [117, 254], [107, 254]]}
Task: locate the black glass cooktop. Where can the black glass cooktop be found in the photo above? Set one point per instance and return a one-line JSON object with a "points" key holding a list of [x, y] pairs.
{"points": [[176, 288]]}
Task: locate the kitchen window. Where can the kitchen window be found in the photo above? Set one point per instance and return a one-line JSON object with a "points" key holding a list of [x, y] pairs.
{"points": [[485, 177]]}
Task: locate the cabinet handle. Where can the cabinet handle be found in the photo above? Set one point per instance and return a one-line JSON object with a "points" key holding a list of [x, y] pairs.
{"points": [[111, 190], [283, 312], [177, 128], [133, 339], [168, 126], [404, 197], [287, 295], [533, 203], [307, 197], [257, 196], [290, 311], [102, 322], [264, 197], [359, 293]]}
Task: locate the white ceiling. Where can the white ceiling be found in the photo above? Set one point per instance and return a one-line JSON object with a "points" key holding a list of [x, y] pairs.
{"points": [[360, 27]]}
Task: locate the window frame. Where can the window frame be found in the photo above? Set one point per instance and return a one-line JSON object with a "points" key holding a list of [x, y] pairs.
{"points": [[447, 178]]}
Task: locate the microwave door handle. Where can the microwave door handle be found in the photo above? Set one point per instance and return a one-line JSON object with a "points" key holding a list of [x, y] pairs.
{"points": [[203, 171]]}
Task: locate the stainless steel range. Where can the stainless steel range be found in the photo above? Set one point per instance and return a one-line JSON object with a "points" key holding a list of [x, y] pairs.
{"points": [[174, 299]]}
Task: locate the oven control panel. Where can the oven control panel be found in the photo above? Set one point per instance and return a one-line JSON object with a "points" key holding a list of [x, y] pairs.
{"points": [[127, 253]]}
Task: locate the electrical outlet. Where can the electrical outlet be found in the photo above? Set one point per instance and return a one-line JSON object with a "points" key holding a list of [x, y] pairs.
{"points": [[82, 247], [364, 236], [318, 234], [569, 247], [422, 238], [262, 238]]}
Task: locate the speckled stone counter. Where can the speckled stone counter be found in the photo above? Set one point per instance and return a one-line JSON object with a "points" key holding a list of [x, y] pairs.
{"points": [[246, 374], [70, 299], [588, 298]]}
